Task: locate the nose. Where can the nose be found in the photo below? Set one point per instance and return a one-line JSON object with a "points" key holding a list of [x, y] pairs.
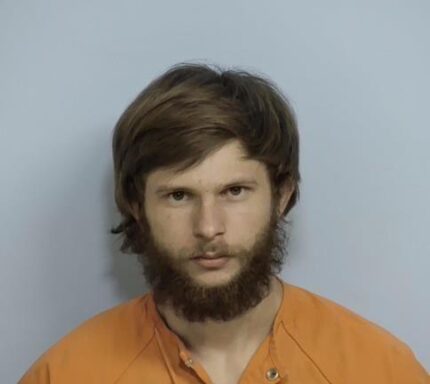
{"points": [[208, 220]]}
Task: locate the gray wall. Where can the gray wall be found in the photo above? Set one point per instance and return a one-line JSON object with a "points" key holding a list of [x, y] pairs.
{"points": [[357, 74]]}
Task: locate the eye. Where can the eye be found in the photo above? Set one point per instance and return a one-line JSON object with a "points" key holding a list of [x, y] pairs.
{"points": [[237, 191], [176, 196]]}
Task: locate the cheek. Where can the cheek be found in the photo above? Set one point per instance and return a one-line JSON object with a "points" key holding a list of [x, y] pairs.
{"points": [[246, 224], [170, 229]]}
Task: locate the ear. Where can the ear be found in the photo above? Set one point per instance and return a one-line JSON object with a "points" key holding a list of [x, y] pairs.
{"points": [[135, 210], [285, 193]]}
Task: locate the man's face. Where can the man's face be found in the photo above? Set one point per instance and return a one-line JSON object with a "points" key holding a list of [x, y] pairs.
{"points": [[212, 224]]}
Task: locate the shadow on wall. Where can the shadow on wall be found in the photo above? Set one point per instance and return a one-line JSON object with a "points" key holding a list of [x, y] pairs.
{"points": [[124, 269]]}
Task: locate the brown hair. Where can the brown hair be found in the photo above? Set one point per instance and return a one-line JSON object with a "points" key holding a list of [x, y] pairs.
{"points": [[189, 112]]}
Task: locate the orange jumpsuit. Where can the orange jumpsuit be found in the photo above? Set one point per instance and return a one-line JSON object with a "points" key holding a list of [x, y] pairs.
{"points": [[313, 341]]}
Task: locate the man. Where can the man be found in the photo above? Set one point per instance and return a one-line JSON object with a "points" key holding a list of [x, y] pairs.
{"points": [[206, 170]]}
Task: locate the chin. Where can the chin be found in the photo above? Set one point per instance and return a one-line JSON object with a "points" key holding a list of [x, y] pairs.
{"points": [[213, 279]]}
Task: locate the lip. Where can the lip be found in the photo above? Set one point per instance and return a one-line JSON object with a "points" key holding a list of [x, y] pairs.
{"points": [[209, 255], [211, 262]]}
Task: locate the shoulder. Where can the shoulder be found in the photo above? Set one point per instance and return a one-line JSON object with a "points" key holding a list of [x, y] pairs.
{"points": [[104, 345], [343, 344]]}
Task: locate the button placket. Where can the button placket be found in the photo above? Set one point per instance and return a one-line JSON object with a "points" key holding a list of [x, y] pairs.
{"points": [[277, 373], [193, 365]]}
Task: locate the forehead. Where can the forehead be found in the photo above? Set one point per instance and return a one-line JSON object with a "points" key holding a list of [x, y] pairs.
{"points": [[226, 165]]}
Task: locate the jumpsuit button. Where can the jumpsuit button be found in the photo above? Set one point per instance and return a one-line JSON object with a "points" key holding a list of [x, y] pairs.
{"points": [[272, 374]]}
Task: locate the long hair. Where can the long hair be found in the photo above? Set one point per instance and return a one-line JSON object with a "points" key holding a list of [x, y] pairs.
{"points": [[189, 112]]}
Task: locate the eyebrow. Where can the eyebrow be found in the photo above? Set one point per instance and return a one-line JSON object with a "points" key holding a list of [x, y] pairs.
{"points": [[168, 188]]}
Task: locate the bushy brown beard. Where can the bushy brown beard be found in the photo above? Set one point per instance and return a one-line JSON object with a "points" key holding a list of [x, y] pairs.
{"points": [[197, 303]]}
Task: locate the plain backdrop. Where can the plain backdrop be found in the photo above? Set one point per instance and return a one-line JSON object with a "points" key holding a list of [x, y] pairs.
{"points": [[357, 74]]}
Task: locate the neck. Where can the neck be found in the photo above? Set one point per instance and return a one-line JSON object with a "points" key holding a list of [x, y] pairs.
{"points": [[251, 327]]}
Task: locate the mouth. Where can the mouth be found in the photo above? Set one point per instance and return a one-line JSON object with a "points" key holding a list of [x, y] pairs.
{"points": [[211, 261]]}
